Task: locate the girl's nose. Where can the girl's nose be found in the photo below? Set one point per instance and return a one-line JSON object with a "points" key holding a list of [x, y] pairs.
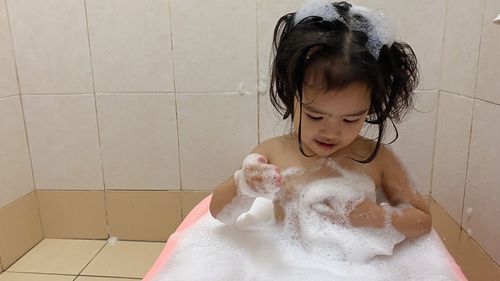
{"points": [[330, 132]]}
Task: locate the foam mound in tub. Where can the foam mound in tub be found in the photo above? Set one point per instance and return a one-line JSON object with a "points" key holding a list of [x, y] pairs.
{"points": [[202, 248]]}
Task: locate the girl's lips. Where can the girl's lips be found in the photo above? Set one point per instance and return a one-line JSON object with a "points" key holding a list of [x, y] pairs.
{"points": [[325, 145]]}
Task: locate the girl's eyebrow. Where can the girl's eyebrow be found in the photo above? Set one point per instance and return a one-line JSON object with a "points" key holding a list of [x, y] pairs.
{"points": [[314, 110], [359, 113]]}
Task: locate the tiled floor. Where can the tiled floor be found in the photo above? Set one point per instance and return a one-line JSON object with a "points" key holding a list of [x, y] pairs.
{"points": [[84, 260]]}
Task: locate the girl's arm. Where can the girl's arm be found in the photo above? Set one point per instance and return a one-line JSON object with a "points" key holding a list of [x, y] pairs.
{"points": [[226, 205], [228, 200], [412, 218]]}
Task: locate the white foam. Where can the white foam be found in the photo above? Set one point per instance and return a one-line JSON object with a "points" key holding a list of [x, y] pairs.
{"points": [[380, 29], [234, 209], [264, 178], [307, 246], [319, 8], [320, 218]]}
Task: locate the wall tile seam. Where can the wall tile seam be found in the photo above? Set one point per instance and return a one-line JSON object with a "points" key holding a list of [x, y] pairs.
{"points": [[95, 255], [55, 93], [115, 189], [94, 95], [21, 101], [257, 45], [8, 96], [430, 91], [434, 143], [138, 93], [179, 158], [13, 47], [235, 92], [468, 162], [16, 200], [463, 233], [455, 93], [468, 97], [443, 44], [483, 2], [101, 93]]}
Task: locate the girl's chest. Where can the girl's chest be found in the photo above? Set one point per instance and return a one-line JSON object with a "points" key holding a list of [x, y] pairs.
{"points": [[298, 170]]}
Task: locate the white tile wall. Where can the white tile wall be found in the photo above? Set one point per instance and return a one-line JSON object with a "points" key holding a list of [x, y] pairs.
{"points": [[62, 134], [130, 45], [451, 152], [139, 141], [51, 46], [461, 46], [268, 13], [215, 45], [16, 178], [482, 194], [216, 131], [416, 139], [488, 84], [271, 123], [8, 78]]}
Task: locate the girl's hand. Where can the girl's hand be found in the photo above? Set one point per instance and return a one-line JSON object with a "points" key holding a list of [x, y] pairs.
{"points": [[256, 178], [367, 214]]}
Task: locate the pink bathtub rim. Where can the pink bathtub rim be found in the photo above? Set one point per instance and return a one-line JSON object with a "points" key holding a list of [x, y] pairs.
{"points": [[198, 211]]}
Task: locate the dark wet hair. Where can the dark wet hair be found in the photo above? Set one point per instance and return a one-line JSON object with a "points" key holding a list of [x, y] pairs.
{"points": [[337, 56]]}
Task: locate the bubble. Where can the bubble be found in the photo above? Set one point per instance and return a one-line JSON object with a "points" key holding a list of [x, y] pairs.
{"points": [[309, 244], [112, 240], [319, 8], [379, 28], [468, 213], [241, 88]]}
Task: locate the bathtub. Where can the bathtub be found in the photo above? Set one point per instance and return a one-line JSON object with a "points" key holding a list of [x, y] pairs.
{"points": [[202, 209]]}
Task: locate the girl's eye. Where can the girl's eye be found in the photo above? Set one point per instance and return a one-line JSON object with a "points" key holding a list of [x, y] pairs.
{"points": [[351, 121], [314, 117]]}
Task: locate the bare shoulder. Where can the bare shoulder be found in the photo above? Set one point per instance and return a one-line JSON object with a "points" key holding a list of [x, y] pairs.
{"points": [[390, 163], [272, 147]]}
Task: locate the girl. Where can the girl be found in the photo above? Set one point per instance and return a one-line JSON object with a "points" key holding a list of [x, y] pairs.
{"points": [[336, 67]]}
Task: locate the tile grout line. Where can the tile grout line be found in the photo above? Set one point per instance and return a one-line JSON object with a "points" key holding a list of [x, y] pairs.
{"points": [[97, 120], [447, 3], [100, 250], [472, 122], [479, 49], [25, 124], [258, 67], [434, 143], [176, 112], [443, 45]]}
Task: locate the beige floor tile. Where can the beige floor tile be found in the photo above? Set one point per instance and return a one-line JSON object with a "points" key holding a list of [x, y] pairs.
{"points": [[89, 278], [14, 276], [60, 256], [124, 259]]}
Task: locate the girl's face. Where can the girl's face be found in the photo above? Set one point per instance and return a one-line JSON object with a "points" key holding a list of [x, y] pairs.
{"points": [[331, 120]]}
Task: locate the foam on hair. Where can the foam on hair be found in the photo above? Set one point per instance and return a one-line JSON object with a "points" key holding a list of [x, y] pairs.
{"points": [[318, 8], [379, 28]]}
